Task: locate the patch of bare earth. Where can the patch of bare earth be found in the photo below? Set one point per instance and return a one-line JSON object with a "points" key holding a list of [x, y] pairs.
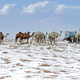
{"points": [[28, 71], [44, 59], [28, 76], [5, 52], [36, 68], [24, 60], [47, 71], [6, 59], [57, 65], [18, 64], [4, 77], [63, 71], [57, 50], [79, 60], [13, 47], [51, 77], [48, 48], [45, 65]]}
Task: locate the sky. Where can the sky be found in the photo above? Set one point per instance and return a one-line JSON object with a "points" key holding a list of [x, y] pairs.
{"points": [[39, 15]]}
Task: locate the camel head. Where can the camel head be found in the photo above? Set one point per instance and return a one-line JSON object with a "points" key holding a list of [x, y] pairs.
{"points": [[60, 31], [28, 32], [7, 34], [60, 34], [32, 34]]}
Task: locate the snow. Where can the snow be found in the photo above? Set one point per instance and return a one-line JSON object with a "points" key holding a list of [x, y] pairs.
{"points": [[60, 61]]}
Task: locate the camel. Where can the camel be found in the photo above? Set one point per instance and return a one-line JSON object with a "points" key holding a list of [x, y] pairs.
{"points": [[39, 36], [23, 36], [2, 36], [53, 36], [44, 37], [19, 35], [27, 36], [77, 36]]}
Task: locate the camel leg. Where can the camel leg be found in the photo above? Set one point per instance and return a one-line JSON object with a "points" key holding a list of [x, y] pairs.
{"points": [[16, 39], [77, 40], [21, 39], [0, 41], [27, 40], [48, 40], [31, 40], [45, 41]]}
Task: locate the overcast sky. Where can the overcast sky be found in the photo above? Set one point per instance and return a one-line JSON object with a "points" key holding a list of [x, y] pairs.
{"points": [[39, 15]]}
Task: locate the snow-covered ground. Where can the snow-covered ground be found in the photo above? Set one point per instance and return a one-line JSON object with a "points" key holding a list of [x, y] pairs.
{"points": [[39, 62]]}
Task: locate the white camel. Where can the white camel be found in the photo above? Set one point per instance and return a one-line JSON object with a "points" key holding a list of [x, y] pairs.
{"points": [[77, 36], [39, 37], [4, 36], [44, 36], [53, 36]]}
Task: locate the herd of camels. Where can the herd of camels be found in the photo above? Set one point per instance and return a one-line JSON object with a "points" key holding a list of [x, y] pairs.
{"points": [[39, 37]]}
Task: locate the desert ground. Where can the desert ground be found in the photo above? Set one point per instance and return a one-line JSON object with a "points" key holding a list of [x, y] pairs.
{"points": [[60, 61]]}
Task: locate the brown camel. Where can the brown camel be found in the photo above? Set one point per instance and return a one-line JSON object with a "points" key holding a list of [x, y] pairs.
{"points": [[28, 36], [21, 36]]}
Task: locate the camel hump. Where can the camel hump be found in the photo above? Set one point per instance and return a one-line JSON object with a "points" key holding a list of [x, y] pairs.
{"points": [[19, 32], [1, 32]]}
